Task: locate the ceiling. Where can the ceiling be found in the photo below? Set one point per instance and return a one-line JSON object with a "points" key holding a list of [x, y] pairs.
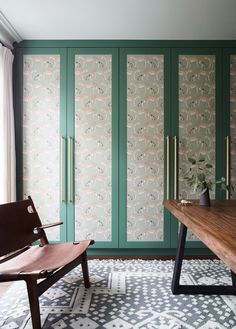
{"points": [[120, 19]]}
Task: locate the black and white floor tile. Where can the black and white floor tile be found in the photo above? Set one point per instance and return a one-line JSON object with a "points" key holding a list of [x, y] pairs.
{"points": [[130, 294]]}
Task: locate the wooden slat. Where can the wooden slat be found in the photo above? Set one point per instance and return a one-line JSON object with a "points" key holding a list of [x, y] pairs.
{"points": [[215, 226]]}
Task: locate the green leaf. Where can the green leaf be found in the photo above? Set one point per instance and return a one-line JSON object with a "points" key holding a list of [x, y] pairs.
{"points": [[192, 160], [223, 186], [201, 158], [210, 186], [201, 177], [195, 187]]}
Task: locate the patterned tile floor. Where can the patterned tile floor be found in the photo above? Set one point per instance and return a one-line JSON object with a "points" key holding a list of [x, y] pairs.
{"points": [[129, 294]]}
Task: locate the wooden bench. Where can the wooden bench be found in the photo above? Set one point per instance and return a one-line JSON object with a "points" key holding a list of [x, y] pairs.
{"points": [[20, 226]]}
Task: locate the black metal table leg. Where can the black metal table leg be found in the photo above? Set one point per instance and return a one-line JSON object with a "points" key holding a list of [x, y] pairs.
{"points": [[195, 289], [233, 277], [179, 259]]}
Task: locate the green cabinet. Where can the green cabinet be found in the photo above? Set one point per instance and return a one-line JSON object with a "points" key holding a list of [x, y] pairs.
{"points": [[144, 126], [229, 118], [204, 118], [69, 140], [196, 123], [92, 127], [104, 135], [40, 81]]}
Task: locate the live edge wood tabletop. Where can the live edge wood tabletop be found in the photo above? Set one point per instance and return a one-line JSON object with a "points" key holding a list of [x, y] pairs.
{"points": [[215, 226]]}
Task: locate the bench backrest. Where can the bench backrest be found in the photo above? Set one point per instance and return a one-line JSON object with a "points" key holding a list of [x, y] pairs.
{"points": [[17, 222]]}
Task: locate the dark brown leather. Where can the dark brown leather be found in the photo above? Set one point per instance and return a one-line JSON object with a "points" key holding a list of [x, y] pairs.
{"points": [[47, 258], [19, 227], [17, 222]]}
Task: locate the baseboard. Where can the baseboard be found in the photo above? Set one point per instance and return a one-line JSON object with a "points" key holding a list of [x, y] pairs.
{"points": [[148, 253], [150, 257]]}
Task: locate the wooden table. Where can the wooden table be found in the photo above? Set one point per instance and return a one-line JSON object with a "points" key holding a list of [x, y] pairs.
{"points": [[215, 226]]}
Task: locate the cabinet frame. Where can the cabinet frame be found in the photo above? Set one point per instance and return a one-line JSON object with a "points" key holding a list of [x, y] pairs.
{"points": [[115, 138], [218, 123], [123, 243], [18, 105], [227, 52]]}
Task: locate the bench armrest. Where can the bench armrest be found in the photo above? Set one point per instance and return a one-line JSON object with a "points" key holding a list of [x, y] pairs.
{"points": [[37, 229]]}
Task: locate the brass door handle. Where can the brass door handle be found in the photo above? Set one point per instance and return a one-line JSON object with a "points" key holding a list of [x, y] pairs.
{"points": [[62, 169], [227, 166], [69, 162], [167, 167], [175, 165]]}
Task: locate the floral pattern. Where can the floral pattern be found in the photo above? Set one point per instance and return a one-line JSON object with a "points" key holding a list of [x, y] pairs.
{"points": [[196, 116], [233, 121], [145, 131], [145, 154], [41, 120], [93, 113]]}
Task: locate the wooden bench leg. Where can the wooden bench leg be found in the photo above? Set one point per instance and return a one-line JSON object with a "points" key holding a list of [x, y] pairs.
{"points": [[84, 266], [34, 303]]}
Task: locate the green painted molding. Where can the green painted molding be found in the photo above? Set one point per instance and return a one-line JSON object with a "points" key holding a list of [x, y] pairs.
{"points": [[127, 43]]}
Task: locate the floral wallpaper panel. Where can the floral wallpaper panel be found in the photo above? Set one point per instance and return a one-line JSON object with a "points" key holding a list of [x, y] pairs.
{"points": [[196, 116], [93, 115], [145, 154], [233, 121], [41, 120]]}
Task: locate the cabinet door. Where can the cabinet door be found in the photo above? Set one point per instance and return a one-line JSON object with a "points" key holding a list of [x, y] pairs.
{"points": [[43, 120], [229, 136], [231, 176], [93, 130], [144, 101], [195, 118]]}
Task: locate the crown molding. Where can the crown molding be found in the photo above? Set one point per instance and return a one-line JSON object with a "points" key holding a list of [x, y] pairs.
{"points": [[8, 34]]}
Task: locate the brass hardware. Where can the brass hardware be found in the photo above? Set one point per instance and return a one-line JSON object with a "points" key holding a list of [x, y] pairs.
{"points": [[227, 166], [69, 169], [63, 199], [167, 167], [175, 166]]}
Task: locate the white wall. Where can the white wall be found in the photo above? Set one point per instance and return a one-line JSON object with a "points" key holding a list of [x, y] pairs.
{"points": [[122, 19]]}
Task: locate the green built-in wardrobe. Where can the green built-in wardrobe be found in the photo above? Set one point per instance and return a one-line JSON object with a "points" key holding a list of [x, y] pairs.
{"points": [[104, 131]]}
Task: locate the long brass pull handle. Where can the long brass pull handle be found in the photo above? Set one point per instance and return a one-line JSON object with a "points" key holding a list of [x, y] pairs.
{"points": [[167, 167], [69, 169], [227, 166], [175, 166], [62, 171]]}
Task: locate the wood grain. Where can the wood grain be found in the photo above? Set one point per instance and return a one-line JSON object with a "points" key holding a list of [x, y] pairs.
{"points": [[215, 226]]}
